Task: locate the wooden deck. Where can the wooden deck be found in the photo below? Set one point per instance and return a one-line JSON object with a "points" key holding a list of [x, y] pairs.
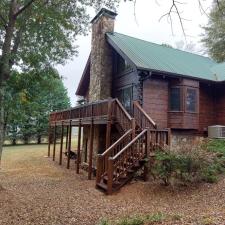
{"points": [[96, 112], [121, 160]]}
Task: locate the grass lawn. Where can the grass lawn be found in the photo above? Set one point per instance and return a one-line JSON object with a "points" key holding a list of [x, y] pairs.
{"points": [[35, 190]]}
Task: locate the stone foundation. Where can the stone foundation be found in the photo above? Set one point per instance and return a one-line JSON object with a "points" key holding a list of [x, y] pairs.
{"points": [[180, 139]]}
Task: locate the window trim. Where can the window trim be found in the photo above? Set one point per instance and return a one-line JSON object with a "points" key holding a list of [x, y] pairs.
{"points": [[197, 100], [183, 98], [121, 89]]}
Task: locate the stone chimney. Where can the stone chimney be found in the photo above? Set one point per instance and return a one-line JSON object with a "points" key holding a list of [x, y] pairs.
{"points": [[101, 56]]}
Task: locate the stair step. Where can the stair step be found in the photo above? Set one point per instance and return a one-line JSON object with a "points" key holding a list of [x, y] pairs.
{"points": [[102, 186]]}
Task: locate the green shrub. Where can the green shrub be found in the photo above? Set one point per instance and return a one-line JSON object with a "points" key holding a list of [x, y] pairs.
{"points": [[132, 221], [136, 220], [103, 222], [190, 163], [158, 217]]}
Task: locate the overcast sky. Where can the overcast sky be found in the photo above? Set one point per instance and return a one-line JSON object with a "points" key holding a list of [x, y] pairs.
{"points": [[145, 25]]}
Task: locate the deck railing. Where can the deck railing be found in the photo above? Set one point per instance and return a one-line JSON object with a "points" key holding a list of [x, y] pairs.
{"points": [[143, 120], [121, 115], [94, 109], [102, 160], [137, 149]]}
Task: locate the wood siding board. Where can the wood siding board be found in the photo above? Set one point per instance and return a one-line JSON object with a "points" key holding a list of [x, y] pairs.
{"points": [[220, 104], [206, 106], [155, 100]]}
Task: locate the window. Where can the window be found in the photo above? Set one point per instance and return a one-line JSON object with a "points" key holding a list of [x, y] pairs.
{"points": [[191, 100], [126, 96], [175, 99]]}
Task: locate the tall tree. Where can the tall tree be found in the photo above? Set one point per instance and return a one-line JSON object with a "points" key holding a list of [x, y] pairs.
{"points": [[30, 99], [36, 33], [214, 38]]}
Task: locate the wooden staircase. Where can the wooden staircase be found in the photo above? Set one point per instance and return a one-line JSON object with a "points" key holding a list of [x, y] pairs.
{"points": [[122, 159], [119, 163]]}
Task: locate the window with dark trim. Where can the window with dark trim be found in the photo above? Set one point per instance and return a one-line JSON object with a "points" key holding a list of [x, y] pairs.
{"points": [[125, 95], [191, 100], [175, 99]]}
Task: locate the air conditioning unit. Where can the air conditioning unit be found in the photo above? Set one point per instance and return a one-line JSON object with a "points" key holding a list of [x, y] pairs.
{"points": [[217, 131]]}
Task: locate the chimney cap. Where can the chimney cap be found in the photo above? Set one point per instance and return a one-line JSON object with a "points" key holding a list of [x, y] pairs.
{"points": [[106, 12]]}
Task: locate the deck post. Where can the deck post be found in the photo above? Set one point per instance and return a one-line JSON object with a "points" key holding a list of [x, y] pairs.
{"points": [[78, 147], [110, 176], [53, 156], [147, 151], [91, 150], [67, 134], [69, 145], [61, 144], [109, 124], [49, 139]]}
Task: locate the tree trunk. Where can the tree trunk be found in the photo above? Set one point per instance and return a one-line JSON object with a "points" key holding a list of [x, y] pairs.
{"points": [[5, 67], [14, 141], [39, 139], [2, 131], [25, 140]]}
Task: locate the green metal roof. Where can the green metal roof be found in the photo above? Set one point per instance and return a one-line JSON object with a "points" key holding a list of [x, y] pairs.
{"points": [[150, 56]]}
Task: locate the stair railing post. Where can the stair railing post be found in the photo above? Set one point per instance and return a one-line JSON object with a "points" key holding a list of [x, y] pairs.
{"points": [[147, 154], [133, 126], [110, 176], [99, 168], [109, 124]]}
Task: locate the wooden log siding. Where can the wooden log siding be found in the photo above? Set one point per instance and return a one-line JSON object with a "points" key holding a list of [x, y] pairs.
{"points": [[207, 114], [155, 100]]}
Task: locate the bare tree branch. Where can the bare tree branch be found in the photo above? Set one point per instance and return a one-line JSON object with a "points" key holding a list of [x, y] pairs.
{"points": [[174, 9], [23, 8], [204, 11], [135, 2]]}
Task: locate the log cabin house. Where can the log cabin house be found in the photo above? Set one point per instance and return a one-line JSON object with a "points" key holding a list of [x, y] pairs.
{"points": [[137, 95]]}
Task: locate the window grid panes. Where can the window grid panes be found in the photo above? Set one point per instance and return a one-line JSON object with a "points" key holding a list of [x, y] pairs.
{"points": [[191, 100], [175, 99]]}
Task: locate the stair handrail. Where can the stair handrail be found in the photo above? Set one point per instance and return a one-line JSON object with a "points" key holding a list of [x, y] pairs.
{"points": [[129, 145], [123, 109], [102, 159], [116, 166], [149, 119], [107, 151]]}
